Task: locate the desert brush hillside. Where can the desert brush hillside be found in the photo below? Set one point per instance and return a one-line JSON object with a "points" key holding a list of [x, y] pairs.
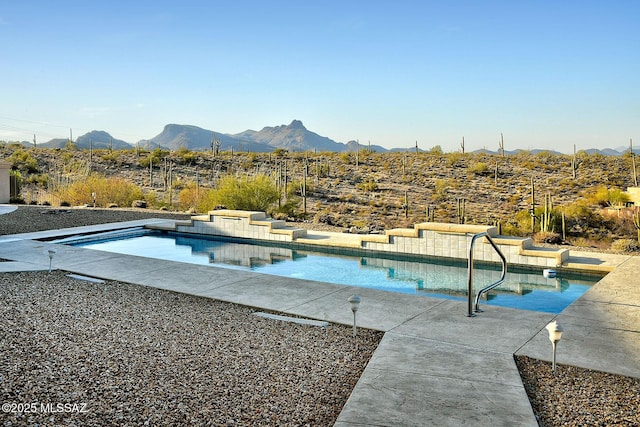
{"points": [[579, 198]]}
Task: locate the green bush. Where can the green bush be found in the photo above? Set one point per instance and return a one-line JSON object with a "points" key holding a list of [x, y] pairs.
{"points": [[368, 186], [200, 199], [108, 191], [280, 152], [156, 155], [608, 197], [480, 168], [248, 193], [23, 161], [441, 190], [186, 157]]}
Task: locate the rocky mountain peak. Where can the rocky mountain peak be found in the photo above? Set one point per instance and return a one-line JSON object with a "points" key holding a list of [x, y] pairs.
{"points": [[296, 124]]}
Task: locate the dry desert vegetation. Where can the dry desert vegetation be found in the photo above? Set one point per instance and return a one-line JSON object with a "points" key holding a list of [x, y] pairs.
{"points": [[578, 199]]}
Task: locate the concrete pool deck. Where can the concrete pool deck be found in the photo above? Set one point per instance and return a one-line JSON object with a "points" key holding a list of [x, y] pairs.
{"points": [[434, 366]]}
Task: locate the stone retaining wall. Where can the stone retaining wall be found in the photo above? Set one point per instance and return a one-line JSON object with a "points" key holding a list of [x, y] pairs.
{"points": [[431, 239]]}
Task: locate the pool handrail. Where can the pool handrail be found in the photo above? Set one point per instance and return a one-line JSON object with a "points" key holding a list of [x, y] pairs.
{"points": [[470, 310]]}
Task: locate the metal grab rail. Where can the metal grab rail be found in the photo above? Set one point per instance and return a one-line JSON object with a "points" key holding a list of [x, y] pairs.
{"points": [[470, 273]]}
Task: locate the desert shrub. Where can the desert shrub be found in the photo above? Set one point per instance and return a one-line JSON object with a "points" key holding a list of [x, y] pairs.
{"points": [[511, 229], [579, 217], [611, 197], [151, 197], [345, 158], [625, 245], [289, 208], [620, 224], [188, 197], [280, 152], [196, 198], [156, 156], [370, 185], [257, 193], [480, 168], [441, 190], [523, 221], [186, 156], [107, 191], [23, 161], [436, 150], [547, 237], [178, 183], [111, 156], [455, 159]]}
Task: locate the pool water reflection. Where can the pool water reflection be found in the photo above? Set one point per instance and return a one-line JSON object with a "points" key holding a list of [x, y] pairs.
{"points": [[442, 278]]}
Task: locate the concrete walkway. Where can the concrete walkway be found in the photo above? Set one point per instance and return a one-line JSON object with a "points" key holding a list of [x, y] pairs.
{"points": [[434, 366], [4, 209]]}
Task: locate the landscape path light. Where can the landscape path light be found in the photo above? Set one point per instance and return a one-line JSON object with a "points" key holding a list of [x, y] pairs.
{"points": [[354, 300], [555, 333], [52, 252]]}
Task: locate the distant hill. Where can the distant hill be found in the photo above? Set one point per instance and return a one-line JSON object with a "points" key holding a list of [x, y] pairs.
{"points": [[101, 140], [54, 143], [175, 136], [292, 137], [96, 139]]}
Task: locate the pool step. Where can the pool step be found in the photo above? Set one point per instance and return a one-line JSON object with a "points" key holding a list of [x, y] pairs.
{"points": [[427, 238], [242, 224]]}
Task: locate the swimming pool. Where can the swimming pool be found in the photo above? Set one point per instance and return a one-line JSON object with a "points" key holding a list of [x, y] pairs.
{"points": [[443, 278]]}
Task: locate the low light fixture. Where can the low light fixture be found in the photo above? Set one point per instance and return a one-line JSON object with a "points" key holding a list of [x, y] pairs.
{"points": [[51, 252], [555, 333], [354, 300]]}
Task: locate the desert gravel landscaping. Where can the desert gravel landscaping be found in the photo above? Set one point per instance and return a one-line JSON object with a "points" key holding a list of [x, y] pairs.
{"points": [[131, 355], [143, 356]]}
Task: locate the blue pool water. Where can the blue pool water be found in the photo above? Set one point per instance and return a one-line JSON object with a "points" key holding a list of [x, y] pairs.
{"points": [[443, 278]]}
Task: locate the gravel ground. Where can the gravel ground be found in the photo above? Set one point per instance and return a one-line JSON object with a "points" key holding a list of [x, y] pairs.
{"points": [[37, 218], [141, 356]]}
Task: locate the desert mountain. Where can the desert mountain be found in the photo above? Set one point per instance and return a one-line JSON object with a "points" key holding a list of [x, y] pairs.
{"points": [[101, 139], [95, 139], [292, 137], [194, 138]]}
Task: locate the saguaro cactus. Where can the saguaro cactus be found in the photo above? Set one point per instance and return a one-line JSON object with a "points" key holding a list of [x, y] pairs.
{"points": [[405, 205], [461, 211], [636, 222], [431, 210], [574, 162], [533, 206], [545, 223]]}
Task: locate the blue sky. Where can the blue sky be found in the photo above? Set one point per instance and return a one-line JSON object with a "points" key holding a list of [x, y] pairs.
{"points": [[547, 74]]}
